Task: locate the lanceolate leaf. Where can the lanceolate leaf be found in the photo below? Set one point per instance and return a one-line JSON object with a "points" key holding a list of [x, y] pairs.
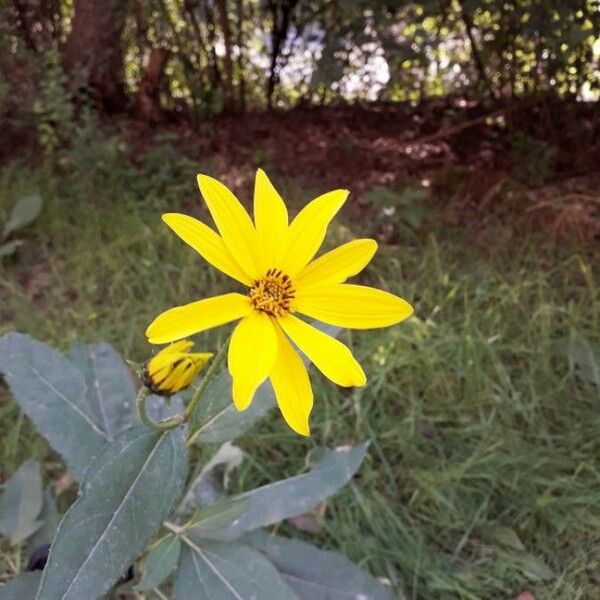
{"points": [[110, 391], [21, 503], [132, 487], [290, 497], [24, 212], [222, 571], [318, 574], [217, 420], [219, 515], [51, 391], [161, 562], [21, 587]]}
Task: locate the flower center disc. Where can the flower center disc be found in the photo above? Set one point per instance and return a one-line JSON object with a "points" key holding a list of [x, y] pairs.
{"points": [[272, 293]]}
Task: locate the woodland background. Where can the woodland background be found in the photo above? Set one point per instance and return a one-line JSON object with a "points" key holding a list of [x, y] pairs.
{"points": [[468, 132]]}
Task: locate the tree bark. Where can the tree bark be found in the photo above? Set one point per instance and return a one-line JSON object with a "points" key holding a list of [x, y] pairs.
{"points": [[148, 96], [281, 13], [468, 21], [227, 59], [93, 50]]}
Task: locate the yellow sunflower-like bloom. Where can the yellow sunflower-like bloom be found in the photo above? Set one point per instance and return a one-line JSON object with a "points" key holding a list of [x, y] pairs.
{"points": [[274, 260], [173, 368]]}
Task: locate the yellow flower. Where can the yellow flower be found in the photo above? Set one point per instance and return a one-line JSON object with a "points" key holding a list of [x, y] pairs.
{"points": [[173, 368], [274, 260]]}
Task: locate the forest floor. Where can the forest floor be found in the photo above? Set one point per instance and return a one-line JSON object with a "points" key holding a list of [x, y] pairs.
{"points": [[482, 480]]}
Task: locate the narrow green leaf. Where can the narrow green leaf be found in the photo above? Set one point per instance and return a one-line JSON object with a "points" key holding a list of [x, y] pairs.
{"points": [[132, 487], [24, 212], [219, 515], [51, 391], [160, 563], [294, 496], [110, 390], [317, 574], [214, 570], [10, 248], [534, 568], [217, 420], [21, 502], [21, 587]]}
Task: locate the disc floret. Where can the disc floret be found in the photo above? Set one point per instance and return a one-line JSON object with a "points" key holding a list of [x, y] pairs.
{"points": [[273, 293]]}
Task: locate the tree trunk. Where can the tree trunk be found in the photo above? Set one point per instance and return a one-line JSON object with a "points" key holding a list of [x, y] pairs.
{"points": [[148, 96], [281, 13], [227, 59], [468, 22], [93, 50], [240, 59]]}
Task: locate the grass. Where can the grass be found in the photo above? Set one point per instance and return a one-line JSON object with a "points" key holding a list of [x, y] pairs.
{"points": [[482, 479]]}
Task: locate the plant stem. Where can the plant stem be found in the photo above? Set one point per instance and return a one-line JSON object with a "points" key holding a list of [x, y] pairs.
{"points": [[210, 375], [146, 420], [189, 409]]}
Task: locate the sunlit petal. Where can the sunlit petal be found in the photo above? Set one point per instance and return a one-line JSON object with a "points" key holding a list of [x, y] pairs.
{"points": [[329, 355], [292, 386], [252, 353], [270, 217], [233, 222], [207, 243], [182, 321], [307, 231], [338, 264], [352, 306]]}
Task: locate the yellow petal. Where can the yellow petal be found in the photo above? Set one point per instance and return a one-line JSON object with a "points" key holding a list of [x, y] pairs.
{"points": [[251, 356], [292, 386], [207, 243], [307, 231], [233, 222], [329, 355], [271, 219], [352, 306], [181, 321], [338, 264], [177, 347]]}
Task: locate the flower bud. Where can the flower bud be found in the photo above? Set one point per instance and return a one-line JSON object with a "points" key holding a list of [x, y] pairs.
{"points": [[173, 368]]}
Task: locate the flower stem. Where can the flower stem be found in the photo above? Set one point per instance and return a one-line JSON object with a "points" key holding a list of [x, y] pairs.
{"points": [[210, 375], [146, 420], [189, 409]]}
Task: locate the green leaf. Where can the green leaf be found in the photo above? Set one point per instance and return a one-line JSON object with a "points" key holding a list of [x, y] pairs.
{"points": [[290, 497], [218, 516], [214, 570], [534, 568], [24, 212], [10, 248], [132, 487], [217, 420], [160, 563], [505, 536], [21, 587], [51, 391], [21, 503], [110, 390], [317, 574], [583, 356], [49, 518]]}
